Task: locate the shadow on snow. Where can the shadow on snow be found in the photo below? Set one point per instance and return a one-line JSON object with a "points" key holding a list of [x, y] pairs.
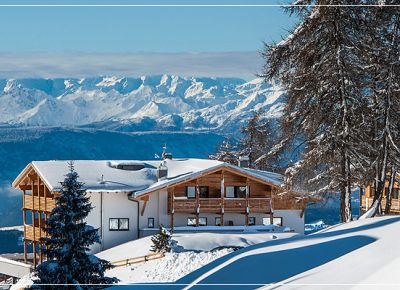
{"points": [[265, 268]]}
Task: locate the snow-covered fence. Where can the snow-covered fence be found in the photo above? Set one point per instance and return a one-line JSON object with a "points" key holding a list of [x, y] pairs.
{"points": [[138, 260]]}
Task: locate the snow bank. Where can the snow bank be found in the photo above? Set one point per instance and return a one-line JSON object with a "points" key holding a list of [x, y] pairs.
{"points": [[168, 269], [349, 256], [191, 251], [13, 228]]}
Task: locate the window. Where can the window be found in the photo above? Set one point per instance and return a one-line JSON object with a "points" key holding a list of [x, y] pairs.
{"points": [[252, 221], [202, 221], [218, 221], [150, 222], [240, 191], [119, 224], [191, 221], [230, 191], [278, 221], [191, 192], [236, 191], [203, 191]]}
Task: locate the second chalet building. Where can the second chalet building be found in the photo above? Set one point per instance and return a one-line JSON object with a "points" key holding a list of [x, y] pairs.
{"points": [[131, 199]]}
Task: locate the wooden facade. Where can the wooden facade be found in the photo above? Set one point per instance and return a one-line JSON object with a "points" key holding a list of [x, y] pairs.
{"points": [[260, 196], [367, 198], [38, 202]]}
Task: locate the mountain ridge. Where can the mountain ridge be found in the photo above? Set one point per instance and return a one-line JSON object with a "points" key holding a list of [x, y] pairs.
{"points": [[158, 102]]}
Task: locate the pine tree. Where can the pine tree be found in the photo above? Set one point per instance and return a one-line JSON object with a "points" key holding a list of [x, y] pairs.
{"points": [[69, 240], [321, 69], [161, 241], [226, 152], [382, 47]]}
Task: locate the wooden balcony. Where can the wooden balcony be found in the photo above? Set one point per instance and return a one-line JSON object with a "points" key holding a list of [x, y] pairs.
{"points": [[215, 205], [210, 205], [33, 233], [41, 203], [260, 205], [366, 203], [237, 205]]}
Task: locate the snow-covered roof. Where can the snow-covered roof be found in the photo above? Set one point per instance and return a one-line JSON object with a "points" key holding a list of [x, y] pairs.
{"points": [[109, 175]]}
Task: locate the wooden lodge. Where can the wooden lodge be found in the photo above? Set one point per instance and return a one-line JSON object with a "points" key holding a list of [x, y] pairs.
{"points": [[367, 198], [130, 199]]}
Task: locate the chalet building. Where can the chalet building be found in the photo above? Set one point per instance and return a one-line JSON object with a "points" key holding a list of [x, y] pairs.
{"points": [[131, 199], [366, 199]]}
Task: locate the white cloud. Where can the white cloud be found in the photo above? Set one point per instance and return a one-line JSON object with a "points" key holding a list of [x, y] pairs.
{"points": [[51, 65]]}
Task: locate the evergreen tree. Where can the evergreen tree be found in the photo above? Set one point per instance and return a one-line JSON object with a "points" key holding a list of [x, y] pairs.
{"points": [[161, 241], [382, 53], [226, 152], [320, 66], [68, 242]]}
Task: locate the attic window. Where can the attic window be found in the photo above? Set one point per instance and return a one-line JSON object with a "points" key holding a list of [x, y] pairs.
{"points": [[130, 167]]}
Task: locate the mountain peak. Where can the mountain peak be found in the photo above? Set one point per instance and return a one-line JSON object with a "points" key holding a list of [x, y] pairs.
{"points": [[104, 101]]}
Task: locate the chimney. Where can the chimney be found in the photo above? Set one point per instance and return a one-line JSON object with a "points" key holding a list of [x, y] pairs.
{"points": [[162, 171], [165, 154], [243, 161]]}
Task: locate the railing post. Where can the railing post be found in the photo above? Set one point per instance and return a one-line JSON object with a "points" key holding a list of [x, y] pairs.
{"points": [[222, 197], [172, 208], [271, 216], [197, 203]]}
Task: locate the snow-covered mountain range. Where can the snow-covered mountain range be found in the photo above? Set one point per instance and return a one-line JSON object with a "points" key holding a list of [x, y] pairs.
{"points": [[163, 102]]}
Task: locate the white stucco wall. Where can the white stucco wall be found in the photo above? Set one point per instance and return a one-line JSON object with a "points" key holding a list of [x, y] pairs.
{"points": [[115, 205], [156, 208], [292, 219]]}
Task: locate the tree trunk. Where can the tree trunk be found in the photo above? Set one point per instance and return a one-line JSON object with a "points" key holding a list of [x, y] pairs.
{"points": [[345, 194], [390, 192]]}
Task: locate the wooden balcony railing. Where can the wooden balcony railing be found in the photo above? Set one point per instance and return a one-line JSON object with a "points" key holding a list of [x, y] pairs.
{"points": [[39, 203], [184, 205], [260, 205], [235, 205], [33, 233], [366, 203], [210, 205], [215, 205]]}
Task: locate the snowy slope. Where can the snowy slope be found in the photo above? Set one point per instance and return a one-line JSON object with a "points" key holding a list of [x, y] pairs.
{"points": [[137, 104], [190, 252], [356, 255]]}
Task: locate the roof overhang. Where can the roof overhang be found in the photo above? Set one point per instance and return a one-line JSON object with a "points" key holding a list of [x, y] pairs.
{"points": [[190, 177]]}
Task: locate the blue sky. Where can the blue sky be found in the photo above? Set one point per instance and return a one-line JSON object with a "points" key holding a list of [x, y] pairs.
{"points": [[49, 32]]}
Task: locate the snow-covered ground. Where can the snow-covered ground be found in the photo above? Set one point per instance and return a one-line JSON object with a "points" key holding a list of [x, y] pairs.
{"points": [[356, 255], [14, 228], [190, 252], [315, 226]]}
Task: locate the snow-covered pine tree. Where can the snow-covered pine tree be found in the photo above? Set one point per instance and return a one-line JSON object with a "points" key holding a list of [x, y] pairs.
{"points": [[382, 55], [67, 246], [319, 66], [161, 241], [226, 152]]}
